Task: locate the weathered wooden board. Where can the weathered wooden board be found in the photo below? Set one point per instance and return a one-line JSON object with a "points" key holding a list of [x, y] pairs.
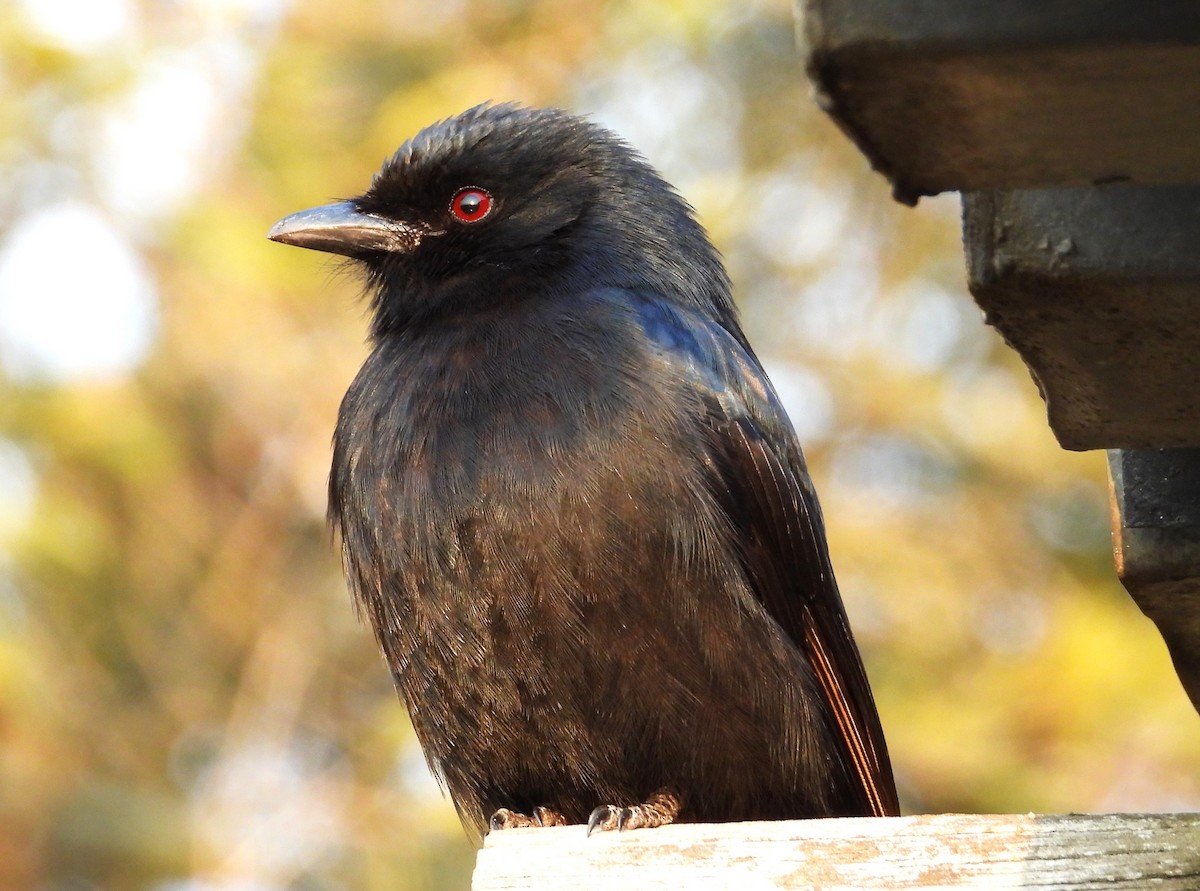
{"points": [[1114, 852]]}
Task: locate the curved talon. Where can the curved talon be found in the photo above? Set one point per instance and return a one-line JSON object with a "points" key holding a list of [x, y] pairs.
{"points": [[509, 819], [629, 818], [660, 809], [506, 819], [544, 816], [600, 819]]}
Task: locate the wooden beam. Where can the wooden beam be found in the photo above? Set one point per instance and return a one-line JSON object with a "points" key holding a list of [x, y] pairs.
{"points": [[963, 95], [1114, 852], [1097, 289]]}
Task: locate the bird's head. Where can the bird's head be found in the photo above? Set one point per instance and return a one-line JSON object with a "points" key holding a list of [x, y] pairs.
{"points": [[504, 203]]}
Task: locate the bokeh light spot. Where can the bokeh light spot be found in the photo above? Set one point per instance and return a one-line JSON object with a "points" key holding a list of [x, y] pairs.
{"points": [[76, 300]]}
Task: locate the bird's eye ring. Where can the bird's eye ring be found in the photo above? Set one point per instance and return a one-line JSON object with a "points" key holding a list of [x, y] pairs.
{"points": [[470, 205]]}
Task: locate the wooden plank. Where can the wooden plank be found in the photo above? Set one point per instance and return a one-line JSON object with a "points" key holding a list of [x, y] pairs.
{"points": [[1114, 852]]}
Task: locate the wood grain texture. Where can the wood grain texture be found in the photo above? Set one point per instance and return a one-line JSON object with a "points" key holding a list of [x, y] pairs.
{"points": [[948, 851]]}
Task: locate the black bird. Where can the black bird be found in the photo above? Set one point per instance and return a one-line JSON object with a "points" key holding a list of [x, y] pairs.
{"points": [[571, 504]]}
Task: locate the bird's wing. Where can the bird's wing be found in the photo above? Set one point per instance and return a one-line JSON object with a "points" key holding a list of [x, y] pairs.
{"points": [[765, 489]]}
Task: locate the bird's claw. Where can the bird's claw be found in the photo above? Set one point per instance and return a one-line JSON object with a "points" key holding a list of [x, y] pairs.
{"points": [[661, 808], [506, 819], [542, 816], [606, 817]]}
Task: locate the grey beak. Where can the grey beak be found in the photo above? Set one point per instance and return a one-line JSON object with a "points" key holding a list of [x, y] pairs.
{"points": [[342, 228]]}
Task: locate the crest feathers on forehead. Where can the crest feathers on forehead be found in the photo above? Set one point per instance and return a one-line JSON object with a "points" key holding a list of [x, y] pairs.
{"points": [[553, 128]]}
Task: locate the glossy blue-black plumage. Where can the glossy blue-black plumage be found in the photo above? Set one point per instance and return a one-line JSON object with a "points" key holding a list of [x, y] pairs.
{"points": [[572, 506]]}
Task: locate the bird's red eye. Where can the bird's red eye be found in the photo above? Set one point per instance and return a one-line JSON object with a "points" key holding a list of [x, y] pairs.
{"points": [[471, 205]]}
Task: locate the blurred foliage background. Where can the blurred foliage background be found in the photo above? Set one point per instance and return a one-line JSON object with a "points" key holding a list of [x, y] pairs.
{"points": [[187, 702]]}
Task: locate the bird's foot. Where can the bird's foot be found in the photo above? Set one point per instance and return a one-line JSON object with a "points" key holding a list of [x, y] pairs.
{"points": [[542, 816], [659, 809]]}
